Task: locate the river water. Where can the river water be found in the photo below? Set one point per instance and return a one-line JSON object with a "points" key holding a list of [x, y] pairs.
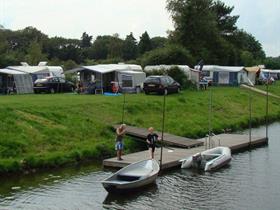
{"points": [[252, 181]]}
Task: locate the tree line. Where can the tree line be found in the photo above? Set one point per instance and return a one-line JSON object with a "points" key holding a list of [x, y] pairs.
{"points": [[203, 30]]}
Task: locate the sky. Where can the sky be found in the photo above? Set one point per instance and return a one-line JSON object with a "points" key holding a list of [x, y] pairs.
{"points": [[70, 18]]}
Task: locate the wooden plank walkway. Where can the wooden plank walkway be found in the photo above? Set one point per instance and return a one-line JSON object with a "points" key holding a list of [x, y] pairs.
{"points": [[171, 156], [168, 139]]}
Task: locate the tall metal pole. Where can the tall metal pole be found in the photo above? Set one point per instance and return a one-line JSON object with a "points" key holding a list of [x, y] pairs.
{"points": [[210, 116], [266, 116], [123, 108], [162, 129], [250, 117]]}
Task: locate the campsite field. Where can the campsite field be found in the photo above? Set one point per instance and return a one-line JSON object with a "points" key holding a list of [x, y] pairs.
{"points": [[40, 131]]}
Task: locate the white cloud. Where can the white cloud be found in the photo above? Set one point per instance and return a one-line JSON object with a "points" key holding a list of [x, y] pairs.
{"points": [[261, 19], [70, 18]]}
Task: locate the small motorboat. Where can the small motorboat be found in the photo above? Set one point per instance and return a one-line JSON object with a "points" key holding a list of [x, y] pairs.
{"points": [[133, 176], [208, 160]]}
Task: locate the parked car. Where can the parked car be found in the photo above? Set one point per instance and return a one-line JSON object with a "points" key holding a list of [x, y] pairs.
{"points": [[161, 85], [53, 85]]}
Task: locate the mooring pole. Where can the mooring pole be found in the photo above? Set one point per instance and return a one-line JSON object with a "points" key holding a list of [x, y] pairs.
{"points": [[123, 108], [210, 117], [266, 116], [162, 129], [250, 117]]}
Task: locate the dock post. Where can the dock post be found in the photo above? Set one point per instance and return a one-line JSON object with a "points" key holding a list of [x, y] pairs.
{"points": [[123, 107], [266, 116], [210, 116], [250, 117], [162, 129]]}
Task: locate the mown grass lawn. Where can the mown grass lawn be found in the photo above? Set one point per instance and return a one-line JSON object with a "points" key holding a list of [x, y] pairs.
{"points": [[52, 130]]}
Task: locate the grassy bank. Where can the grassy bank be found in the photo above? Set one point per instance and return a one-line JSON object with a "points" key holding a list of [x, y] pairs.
{"points": [[53, 130]]}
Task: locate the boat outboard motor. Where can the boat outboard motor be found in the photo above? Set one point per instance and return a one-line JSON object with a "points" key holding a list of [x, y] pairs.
{"points": [[197, 158]]}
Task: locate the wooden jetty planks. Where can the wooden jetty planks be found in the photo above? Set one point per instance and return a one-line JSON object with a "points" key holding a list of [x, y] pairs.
{"points": [[169, 139], [171, 156]]}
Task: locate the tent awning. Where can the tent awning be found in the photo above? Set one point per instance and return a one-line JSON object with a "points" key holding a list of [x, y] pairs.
{"points": [[214, 68], [166, 67], [29, 69], [107, 68], [253, 69], [12, 72], [271, 71], [229, 68]]}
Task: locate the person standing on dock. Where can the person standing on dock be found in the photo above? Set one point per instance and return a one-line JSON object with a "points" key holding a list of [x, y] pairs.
{"points": [[119, 140], [151, 141]]}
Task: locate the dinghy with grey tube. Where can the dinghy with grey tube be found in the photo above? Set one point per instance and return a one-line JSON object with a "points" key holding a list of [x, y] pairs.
{"points": [[208, 160]]}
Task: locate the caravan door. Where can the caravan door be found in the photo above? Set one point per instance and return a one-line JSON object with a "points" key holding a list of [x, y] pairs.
{"points": [[223, 78]]}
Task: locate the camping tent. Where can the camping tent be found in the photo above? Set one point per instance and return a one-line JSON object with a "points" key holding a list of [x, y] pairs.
{"points": [[39, 72], [129, 77], [226, 75], [252, 73], [268, 73], [15, 81]]}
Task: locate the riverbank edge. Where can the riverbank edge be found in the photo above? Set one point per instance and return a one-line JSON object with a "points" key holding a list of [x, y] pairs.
{"points": [[34, 163]]}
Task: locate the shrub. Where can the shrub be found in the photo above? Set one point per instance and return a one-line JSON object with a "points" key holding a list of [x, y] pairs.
{"points": [[171, 54]]}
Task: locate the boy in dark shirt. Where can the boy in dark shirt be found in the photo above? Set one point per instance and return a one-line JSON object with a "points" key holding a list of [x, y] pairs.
{"points": [[151, 141]]}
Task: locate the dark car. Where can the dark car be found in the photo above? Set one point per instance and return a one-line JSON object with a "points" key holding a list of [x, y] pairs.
{"points": [[53, 85], [161, 85]]}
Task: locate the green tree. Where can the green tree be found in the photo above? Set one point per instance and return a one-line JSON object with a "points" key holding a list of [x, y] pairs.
{"points": [[209, 31], [115, 47], [99, 49], [129, 47], [69, 64], [195, 25], [34, 54], [247, 59], [272, 62], [63, 49], [170, 55], [145, 43], [247, 42], [225, 22], [86, 40], [158, 42]]}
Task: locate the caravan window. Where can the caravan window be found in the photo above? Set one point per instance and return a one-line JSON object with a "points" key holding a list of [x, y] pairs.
{"points": [[205, 74], [42, 75], [127, 81], [62, 80]]}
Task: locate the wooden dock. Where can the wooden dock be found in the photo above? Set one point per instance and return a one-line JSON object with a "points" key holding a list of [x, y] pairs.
{"points": [[169, 139], [171, 156]]}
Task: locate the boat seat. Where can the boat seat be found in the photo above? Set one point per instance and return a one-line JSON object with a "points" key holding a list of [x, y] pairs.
{"points": [[137, 172], [119, 182]]}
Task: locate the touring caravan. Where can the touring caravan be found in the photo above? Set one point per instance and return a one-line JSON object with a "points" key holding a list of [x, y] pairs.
{"points": [[104, 77]]}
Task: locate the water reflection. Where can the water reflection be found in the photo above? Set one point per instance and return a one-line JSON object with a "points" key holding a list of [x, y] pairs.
{"points": [[251, 181], [118, 200]]}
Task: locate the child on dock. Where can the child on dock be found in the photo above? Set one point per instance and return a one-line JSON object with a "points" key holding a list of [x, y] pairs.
{"points": [[151, 141], [119, 140]]}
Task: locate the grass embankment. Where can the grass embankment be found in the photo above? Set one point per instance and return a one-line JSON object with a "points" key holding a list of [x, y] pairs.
{"points": [[52, 130]]}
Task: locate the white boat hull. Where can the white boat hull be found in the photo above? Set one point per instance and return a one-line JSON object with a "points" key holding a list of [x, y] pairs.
{"points": [[132, 177], [208, 160]]}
